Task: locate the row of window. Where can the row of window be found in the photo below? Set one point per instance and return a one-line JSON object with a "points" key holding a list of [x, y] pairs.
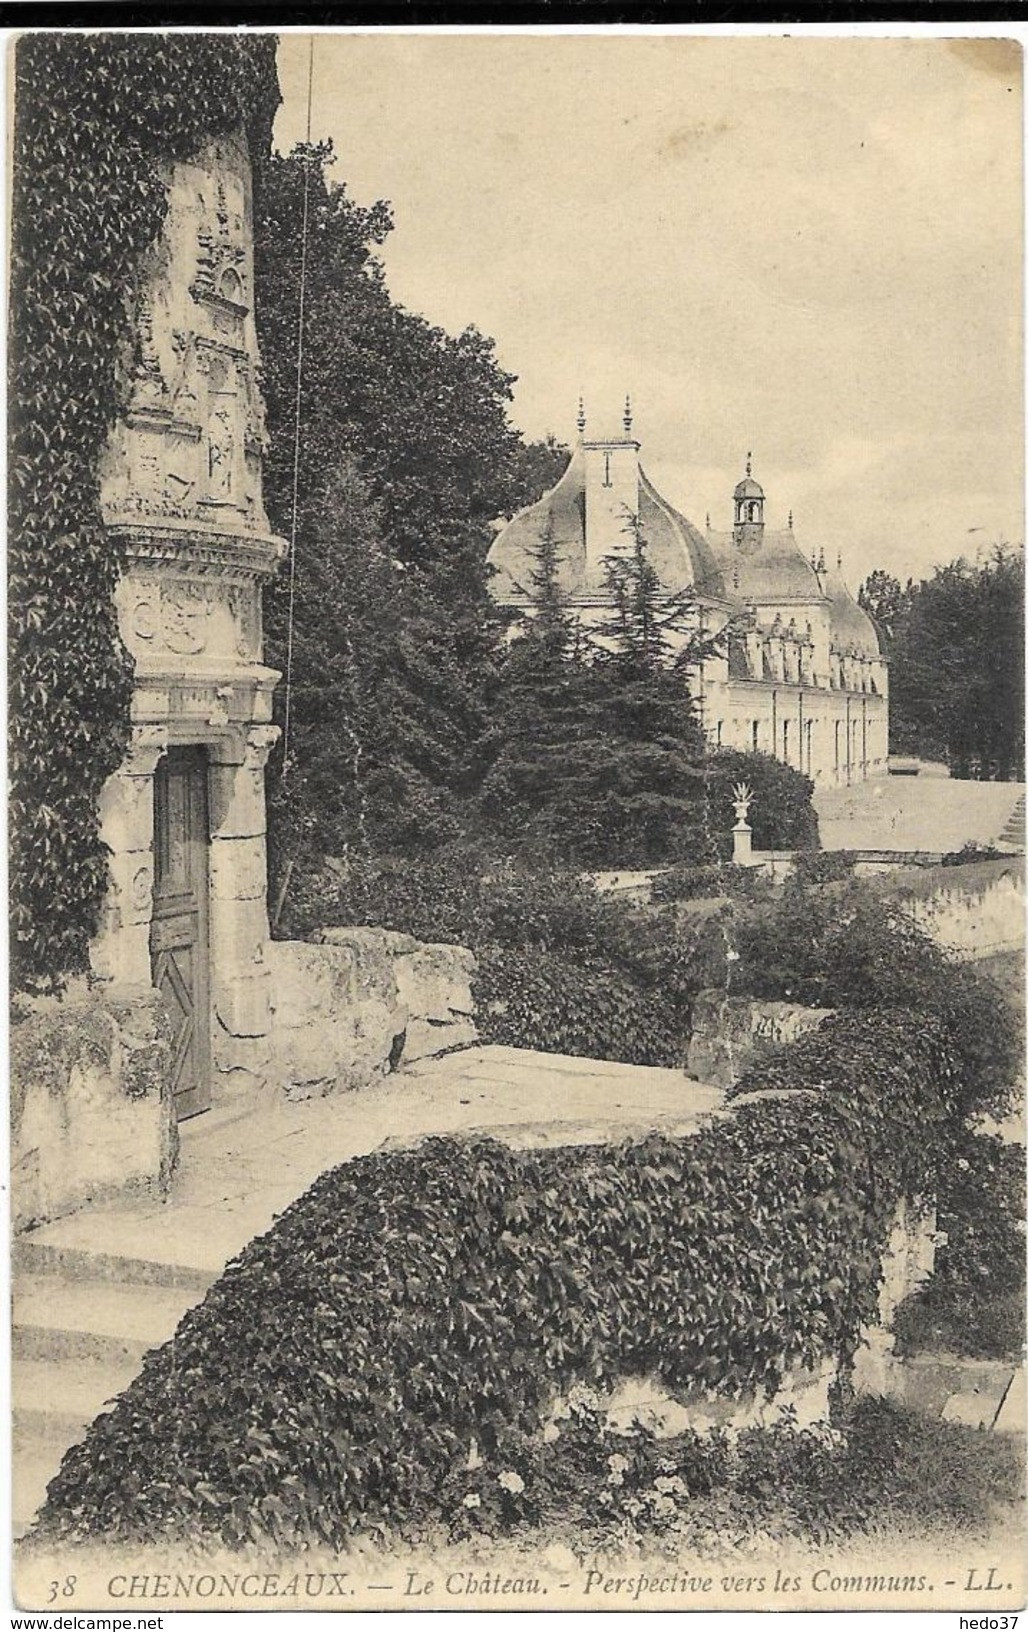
{"points": [[758, 744]]}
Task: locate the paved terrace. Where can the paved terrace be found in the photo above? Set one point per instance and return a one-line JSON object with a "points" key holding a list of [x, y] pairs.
{"points": [[236, 1173], [917, 813]]}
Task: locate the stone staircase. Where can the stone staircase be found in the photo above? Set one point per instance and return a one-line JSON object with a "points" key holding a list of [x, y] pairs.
{"points": [[81, 1324], [1013, 834]]}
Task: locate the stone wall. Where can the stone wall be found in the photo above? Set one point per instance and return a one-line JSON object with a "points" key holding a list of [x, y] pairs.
{"points": [[907, 1263], [91, 1106], [731, 1034], [357, 1002], [974, 910]]}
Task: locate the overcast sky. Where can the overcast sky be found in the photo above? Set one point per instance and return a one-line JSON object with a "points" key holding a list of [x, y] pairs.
{"points": [[808, 247]]}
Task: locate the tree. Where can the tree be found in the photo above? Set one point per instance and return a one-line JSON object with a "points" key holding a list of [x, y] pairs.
{"points": [[601, 756], [403, 456], [957, 668], [886, 601]]}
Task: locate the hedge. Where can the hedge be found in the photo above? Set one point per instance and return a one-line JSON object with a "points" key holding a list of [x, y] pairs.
{"points": [[409, 1303]]}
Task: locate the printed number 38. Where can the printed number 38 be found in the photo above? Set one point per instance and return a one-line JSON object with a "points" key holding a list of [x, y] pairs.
{"points": [[62, 1589]]}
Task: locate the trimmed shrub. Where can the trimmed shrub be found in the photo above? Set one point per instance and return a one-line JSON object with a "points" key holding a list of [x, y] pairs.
{"points": [[532, 999], [782, 814], [334, 1378]]}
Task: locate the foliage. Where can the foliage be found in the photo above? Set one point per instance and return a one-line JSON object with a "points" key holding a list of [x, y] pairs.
{"points": [[823, 866], [599, 752], [412, 1302], [885, 600], [732, 1494], [709, 880], [385, 711], [527, 998], [561, 967], [405, 456], [844, 946], [97, 118], [957, 663], [970, 852], [782, 815], [974, 1302]]}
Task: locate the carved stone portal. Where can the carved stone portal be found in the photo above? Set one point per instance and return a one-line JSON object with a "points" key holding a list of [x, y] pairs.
{"points": [[181, 489]]}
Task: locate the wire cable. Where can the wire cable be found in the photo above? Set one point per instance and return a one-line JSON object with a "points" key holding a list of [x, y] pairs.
{"points": [[296, 424]]}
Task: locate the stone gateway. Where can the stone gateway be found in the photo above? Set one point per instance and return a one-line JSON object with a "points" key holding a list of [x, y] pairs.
{"points": [[181, 488]]}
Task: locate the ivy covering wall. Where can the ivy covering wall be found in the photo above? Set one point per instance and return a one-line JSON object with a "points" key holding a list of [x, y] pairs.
{"points": [[414, 1302], [98, 119]]}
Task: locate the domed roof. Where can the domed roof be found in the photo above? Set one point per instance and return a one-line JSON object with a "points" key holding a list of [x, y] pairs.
{"points": [[748, 488], [676, 549], [775, 569], [852, 630]]}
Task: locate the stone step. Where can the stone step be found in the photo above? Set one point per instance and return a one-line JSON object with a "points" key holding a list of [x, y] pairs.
{"points": [[53, 1401], [59, 1398], [72, 1264], [35, 1458], [54, 1319]]}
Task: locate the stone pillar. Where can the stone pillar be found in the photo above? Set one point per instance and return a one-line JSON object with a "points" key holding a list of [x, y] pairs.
{"points": [[120, 952], [238, 907], [742, 844]]}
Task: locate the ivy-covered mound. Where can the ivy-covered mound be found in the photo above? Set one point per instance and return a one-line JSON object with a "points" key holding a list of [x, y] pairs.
{"points": [[335, 1376], [96, 117]]}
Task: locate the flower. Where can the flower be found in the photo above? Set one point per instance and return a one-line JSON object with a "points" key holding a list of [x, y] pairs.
{"points": [[512, 1482], [582, 1398], [550, 1433], [617, 1466], [472, 1499]]}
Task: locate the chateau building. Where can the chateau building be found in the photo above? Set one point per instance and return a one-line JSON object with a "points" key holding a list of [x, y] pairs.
{"points": [[799, 672]]}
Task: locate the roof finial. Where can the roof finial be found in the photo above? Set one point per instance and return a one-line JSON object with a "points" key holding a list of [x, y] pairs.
{"points": [[628, 414], [790, 521], [821, 560], [708, 521], [749, 464], [581, 416], [838, 560]]}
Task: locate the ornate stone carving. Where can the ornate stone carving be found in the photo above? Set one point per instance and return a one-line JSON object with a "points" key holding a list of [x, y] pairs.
{"points": [[220, 271], [146, 745], [260, 740], [185, 611], [141, 888]]}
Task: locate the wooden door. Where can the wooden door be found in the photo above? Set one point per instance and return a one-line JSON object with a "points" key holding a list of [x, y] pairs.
{"points": [[179, 943]]}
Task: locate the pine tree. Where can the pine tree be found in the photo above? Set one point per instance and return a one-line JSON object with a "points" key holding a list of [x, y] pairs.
{"points": [[602, 757]]}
